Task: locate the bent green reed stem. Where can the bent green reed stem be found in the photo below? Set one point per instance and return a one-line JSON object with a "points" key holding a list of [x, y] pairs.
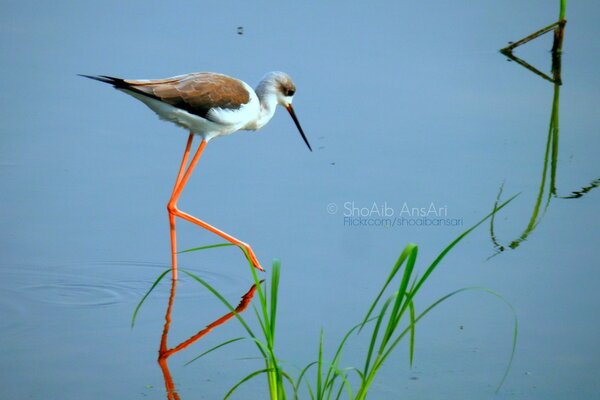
{"points": [[528, 38], [557, 27], [563, 10]]}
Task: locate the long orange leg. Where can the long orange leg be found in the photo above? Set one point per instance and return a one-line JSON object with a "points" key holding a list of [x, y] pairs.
{"points": [[175, 212], [173, 231]]}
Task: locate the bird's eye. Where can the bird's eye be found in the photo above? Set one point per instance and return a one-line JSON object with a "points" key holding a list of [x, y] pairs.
{"points": [[290, 92]]}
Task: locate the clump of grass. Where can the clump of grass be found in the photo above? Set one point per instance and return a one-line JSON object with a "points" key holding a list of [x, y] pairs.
{"points": [[387, 331]]}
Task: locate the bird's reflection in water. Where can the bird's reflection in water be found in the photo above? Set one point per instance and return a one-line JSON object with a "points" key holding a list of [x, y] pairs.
{"points": [[165, 352]]}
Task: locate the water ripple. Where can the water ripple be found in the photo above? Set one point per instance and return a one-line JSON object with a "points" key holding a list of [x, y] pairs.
{"points": [[98, 284]]}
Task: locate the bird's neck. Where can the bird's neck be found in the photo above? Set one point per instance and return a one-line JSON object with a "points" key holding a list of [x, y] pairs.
{"points": [[268, 104]]}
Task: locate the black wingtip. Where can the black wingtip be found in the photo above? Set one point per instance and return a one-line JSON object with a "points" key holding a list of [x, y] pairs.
{"points": [[116, 82], [97, 78]]}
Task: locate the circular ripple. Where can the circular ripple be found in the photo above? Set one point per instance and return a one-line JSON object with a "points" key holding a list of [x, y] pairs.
{"points": [[95, 284], [74, 294]]}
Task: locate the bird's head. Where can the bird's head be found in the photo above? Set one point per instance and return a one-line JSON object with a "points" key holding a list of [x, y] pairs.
{"points": [[281, 85], [284, 88]]}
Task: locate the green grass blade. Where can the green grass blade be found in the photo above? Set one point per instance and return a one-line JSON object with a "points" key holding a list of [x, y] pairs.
{"points": [[213, 349], [515, 334], [137, 308], [347, 383], [262, 346], [287, 378], [398, 307], [344, 384], [310, 392], [380, 360], [375, 333], [211, 246], [301, 376], [263, 328], [320, 392], [399, 262], [340, 348], [360, 374], [348, 387], [263, 303], [411, 356], [244, 380], [341, 390], [419, 317], [223, 300], [448, 296], [447, 249], [275, 274]]}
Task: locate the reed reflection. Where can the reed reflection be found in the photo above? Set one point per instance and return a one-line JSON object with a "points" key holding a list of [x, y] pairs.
{"points": [[547, 188]]}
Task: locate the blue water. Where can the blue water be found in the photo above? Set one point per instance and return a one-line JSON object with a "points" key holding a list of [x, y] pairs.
{"points": [[404, 103]]}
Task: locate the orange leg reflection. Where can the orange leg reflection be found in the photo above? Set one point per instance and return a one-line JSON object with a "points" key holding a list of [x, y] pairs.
{"points": [[165, 352]]}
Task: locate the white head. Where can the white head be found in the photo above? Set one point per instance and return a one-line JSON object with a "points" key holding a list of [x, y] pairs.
{"points": [[278, 87], [278, 84]]}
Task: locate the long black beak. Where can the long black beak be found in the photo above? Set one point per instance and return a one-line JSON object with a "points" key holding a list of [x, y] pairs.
{"points": [[293, 114]]}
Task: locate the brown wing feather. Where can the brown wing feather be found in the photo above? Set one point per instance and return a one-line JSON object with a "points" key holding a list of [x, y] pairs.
{"points": [[196, 93]]}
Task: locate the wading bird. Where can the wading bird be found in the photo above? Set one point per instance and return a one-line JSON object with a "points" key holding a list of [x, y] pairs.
{"points": [[209, 105]]}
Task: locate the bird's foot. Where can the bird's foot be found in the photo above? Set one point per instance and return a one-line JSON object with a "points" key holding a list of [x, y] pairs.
{"points": [[251, 256]]}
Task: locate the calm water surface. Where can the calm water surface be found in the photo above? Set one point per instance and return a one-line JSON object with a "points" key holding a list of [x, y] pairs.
{"points": [[404, 103]]}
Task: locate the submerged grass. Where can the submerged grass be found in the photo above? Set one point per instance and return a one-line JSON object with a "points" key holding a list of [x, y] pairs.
{"points": [[389, 318]]}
